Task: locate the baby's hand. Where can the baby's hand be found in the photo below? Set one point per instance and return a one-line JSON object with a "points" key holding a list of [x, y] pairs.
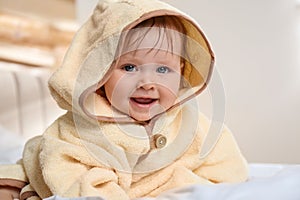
{"points": [[9, 193]]}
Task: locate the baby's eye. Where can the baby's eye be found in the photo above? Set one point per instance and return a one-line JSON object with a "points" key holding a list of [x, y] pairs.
{"points": [[129, 68], [162, 69]]}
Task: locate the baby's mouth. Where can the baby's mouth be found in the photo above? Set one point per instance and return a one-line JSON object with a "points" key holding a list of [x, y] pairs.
{"points": [[143, 102]]}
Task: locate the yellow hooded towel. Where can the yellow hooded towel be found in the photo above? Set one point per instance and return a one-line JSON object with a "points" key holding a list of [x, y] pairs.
{"points": [[93, 150]]}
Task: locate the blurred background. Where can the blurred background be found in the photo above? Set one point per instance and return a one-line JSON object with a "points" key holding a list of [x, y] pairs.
{"points": [[257, 56]]}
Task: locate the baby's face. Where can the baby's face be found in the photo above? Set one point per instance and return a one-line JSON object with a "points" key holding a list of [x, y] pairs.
{"points": [[144, 83]]}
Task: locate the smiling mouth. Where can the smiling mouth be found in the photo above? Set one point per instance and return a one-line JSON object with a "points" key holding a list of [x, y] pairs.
{"points": [[143, 102]]}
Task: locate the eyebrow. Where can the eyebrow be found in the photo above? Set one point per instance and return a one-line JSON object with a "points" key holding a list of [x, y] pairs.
{"points": [[136, 60]]}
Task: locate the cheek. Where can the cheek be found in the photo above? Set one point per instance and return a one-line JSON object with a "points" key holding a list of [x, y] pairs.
{"points": [[171, 84], [109, 88], [167, 98], [169, 90], [118, 87], [169, 94]]}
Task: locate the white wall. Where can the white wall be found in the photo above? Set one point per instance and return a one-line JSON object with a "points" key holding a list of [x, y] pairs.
{"points": [[84, 9], [256, 45]]}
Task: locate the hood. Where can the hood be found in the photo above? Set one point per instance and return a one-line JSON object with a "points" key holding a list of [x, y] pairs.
{"points": [[87, 64]]}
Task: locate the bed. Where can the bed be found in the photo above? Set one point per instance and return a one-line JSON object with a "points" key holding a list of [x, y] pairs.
{"points": [[27, 109]]}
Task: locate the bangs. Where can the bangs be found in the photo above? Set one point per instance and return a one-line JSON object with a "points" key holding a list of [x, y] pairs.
{"points": [[155, 39], [162, 33]]}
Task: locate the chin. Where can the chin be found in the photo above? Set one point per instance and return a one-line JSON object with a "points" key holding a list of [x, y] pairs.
{"points": [[147, 115], [142, 118]]}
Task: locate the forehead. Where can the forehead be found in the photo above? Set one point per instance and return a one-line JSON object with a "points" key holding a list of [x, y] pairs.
{"points": [[158, 38], [153, 56]]}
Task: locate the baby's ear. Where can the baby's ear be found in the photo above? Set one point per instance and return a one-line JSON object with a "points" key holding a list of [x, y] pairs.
{"points": [[181, 65]]}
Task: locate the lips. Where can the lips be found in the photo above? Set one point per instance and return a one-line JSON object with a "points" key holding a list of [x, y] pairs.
{"points": [[143, 102]]}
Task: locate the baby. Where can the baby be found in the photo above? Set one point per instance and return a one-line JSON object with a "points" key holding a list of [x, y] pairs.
{"points": [[132, 127]]}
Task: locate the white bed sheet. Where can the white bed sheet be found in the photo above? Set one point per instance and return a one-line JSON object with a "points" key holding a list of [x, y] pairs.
{"points": [[11, 146], [266, 182]]}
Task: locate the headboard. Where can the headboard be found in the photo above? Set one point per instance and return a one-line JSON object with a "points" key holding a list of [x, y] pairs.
{"points": [[26, 107]]}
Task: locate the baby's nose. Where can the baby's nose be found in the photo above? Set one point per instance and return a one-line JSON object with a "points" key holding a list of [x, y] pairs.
{"points": [[146, 82], [147, 86], [147, 79]]}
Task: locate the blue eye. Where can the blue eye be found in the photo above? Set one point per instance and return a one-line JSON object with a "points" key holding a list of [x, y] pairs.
{"points": [[129, 68], [162, 70]]}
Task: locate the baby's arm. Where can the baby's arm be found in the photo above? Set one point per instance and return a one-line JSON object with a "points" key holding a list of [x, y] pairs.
{"points": [[9, 193], [102, 182], [12, 180], [224, 163]]}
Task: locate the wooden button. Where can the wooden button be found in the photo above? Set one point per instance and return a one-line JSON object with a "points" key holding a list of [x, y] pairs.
{"points": [[160, 141]]}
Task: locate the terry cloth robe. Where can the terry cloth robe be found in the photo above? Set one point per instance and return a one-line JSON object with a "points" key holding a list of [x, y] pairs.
{"points": [[93, 150]]}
